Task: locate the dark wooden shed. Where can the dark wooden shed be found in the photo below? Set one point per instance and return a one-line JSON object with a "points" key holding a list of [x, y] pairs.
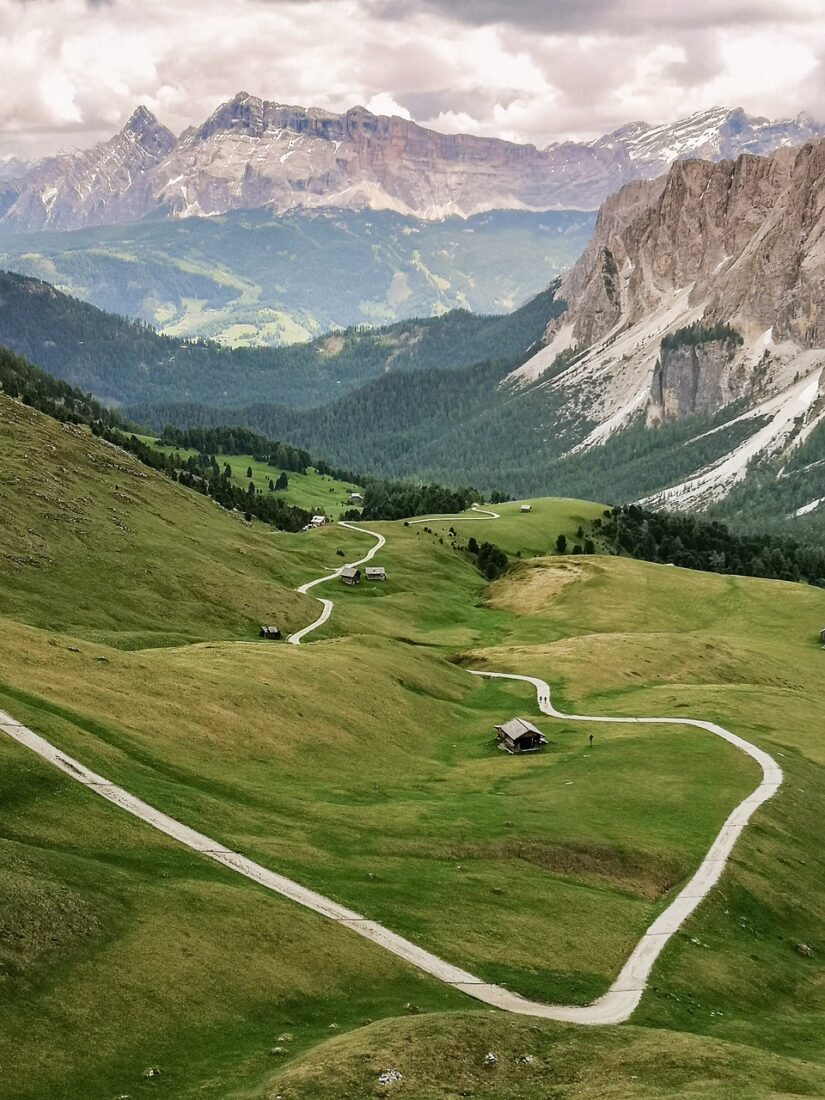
{"points": [[518, 735]]}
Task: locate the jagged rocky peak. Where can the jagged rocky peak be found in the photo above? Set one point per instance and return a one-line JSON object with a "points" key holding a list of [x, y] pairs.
{"points": [[254, 153], [152, 135], [714, 134]]}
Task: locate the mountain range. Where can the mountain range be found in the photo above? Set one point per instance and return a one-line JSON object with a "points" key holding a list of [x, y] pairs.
{"points": [[251, 153], [683, 367], [681, 362]]}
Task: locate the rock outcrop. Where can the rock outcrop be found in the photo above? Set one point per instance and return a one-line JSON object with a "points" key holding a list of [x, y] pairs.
{"points": [[742, 238], [694, 379]]}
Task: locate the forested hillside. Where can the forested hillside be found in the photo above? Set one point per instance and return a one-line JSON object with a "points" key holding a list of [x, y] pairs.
{"points": [[124, 361], [249, 278]]}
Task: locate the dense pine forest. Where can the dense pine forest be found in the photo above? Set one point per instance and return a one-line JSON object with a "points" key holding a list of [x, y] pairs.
{"points": [[129, 362], [18, 378], [697, 543]]}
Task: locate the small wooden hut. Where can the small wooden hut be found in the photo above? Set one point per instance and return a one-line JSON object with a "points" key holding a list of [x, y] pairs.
{"points": [[518, 735]]}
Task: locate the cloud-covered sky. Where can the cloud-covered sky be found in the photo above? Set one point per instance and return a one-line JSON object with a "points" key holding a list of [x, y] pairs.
{"points": [[71, 71]]}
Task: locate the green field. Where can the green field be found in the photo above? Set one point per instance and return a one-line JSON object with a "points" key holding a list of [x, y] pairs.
{"points": [[317, 493], [362, 764]]}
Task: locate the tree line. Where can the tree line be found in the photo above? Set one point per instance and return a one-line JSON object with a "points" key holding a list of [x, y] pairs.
{"points": [[695, 543], [702, 332], [398, 500], [203, 473]]}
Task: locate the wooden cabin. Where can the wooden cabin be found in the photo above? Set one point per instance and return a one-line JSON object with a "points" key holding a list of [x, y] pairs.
{"points": [[518, 735], [350, 575], [526, 508], [375, 573], [270, 632], [822, 636], [318, 521], [356, 498]]}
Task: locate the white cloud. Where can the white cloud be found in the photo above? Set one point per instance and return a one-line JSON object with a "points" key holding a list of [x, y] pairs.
{"points": [[384, 104], [537, 70]]}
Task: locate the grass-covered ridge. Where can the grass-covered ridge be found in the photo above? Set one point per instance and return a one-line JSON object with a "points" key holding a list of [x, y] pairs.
{"points": [[363, 765]]}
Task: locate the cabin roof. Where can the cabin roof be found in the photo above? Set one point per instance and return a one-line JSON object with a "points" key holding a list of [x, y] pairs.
{"points": [[349, 571], [375, 569], [517, 728]]}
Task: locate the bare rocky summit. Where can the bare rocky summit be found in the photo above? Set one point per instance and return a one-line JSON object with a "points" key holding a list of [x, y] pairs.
{"points": [[709, 248], [251, 153]]}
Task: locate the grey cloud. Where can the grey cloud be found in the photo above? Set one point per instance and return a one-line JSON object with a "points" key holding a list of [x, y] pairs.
{"points": [[615, 17]]}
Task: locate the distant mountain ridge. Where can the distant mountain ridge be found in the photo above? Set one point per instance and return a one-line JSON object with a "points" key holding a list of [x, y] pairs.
{"points": [[251, 153]]}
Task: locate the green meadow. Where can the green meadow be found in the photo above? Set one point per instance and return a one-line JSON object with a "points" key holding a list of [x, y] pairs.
{"points": [[317, 493], [363, 764]]}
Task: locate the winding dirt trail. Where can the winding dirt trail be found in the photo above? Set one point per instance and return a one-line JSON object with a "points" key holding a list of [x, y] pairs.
{"points": [[614, 1007], [328, 605]]}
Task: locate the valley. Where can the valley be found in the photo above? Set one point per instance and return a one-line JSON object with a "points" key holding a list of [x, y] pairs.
{"points": [[247, 278], [412, 558], [529, 872]]}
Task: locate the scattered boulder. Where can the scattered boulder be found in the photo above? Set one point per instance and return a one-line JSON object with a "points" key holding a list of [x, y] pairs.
{"points": [[277, 1051], [805, 950], [490, 1059], [152, 1071], [390, 1077]]}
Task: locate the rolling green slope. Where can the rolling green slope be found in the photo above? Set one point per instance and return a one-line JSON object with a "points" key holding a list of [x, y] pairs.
{"points": [[362, 765], [95, 544], [250, 278]]}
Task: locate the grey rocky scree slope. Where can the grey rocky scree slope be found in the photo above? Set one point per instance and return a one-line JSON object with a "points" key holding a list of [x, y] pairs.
{"points": [[252, 153], [734, 243]]}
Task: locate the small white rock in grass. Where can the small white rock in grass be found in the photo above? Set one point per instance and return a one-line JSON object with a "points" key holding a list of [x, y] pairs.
{"points": [[526, 1060], [285, 1038], [390, 1077], [153, 1071], [490, 1059], [333, 1027]]}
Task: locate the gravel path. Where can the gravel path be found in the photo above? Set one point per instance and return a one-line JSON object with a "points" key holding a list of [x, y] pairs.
{"points": [[328, 605], [624, 994]]}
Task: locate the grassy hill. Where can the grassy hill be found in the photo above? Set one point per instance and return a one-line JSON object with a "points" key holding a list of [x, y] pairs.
{"points": [[95, 544], [362, 765], [123, 361], [249, 278]]}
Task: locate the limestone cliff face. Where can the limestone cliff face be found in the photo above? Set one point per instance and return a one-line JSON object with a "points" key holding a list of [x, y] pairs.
{"points": [[707, 248], [101, 186], [696, 379], [743, 238], [251, 153]]}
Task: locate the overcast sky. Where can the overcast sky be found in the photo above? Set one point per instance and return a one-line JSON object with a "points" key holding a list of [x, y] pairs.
{"points": [[71, 71]]}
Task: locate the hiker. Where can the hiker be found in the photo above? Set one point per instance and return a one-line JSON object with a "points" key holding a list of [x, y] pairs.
{"points": [[590, 739]]}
